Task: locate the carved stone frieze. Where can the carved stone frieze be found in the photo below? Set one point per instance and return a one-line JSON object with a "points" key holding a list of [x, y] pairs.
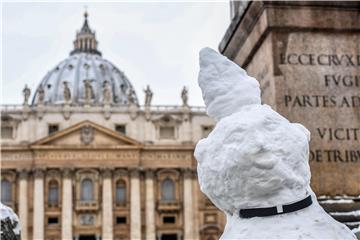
{"points": [[15, 155], [167, 155], [86, 155]]}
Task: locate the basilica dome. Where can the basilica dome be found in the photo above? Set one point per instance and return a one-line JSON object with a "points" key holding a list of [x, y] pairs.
{"points": [[85, 77]]}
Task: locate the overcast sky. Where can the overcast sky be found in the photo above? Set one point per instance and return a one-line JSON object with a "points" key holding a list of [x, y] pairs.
{"points": [[153, 43]]}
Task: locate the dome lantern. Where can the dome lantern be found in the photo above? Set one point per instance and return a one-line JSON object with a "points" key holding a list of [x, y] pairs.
{"points": [[85, 39]]}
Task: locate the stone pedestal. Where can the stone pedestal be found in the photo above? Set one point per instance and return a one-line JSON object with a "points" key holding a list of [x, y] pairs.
{"points": [[306, 57]]}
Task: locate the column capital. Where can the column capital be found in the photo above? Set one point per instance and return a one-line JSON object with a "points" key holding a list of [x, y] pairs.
{"points": [[187, 172], [106, 172], [135, 172], [149, 173], [23, 173], [67, 172], [39, 172]]}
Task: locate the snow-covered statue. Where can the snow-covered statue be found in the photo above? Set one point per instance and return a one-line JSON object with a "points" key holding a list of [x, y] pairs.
{"points": [[254, 164], [10, 225]]}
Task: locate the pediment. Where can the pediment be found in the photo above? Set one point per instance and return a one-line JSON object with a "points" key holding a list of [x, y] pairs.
{"points": [[87, 133]]}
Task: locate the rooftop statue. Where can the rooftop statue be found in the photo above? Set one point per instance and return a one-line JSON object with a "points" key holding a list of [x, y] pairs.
{"points": [[67, 92], [89, 92], [26, 93], [148, 95], [107, 93], [41, 94], [131, 95], [254, 164], [185, 96]]}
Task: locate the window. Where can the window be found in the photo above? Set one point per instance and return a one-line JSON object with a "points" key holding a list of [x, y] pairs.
{"points": [[53, 128], [168, 190], [206, 130], [53, 193], [169, 219], [167, 132], [53, 220], [120, 192], [6, 191], [120, 128], [120, 220], [87, 190], [6, 132]]}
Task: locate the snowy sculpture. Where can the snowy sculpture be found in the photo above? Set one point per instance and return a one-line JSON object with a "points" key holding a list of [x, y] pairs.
{"points": [[254, 164]]}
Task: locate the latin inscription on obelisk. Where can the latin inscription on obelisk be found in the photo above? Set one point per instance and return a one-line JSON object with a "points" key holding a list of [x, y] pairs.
{"points": [[321, 89]]}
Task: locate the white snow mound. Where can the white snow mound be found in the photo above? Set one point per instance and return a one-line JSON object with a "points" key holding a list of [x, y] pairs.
{"points": [[255, 158]]}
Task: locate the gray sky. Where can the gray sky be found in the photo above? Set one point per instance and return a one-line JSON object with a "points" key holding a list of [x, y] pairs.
{"points": [[153, 43]]}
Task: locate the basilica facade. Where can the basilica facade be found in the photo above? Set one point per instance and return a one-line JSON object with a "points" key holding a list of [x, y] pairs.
{"points": [[84, 160]]}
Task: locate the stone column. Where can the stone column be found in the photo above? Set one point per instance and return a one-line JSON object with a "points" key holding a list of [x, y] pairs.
{"points": [[107, 205], [150, 205], [188, 206], [66, 209], [23, 203], [38, 222], [135, 208], [195, 193]]}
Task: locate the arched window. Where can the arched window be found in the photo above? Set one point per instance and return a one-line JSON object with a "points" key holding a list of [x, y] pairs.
{"points": [[120, 192], [87, 190], [168, 190], [53, 193], [6, 191]]}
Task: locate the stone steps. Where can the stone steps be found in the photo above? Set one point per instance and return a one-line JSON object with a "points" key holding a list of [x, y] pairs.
{"points": [[345, 210]]}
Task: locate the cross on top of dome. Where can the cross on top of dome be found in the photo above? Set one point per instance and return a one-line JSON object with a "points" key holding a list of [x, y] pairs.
{"points": [[85, 39], [85, 28]]}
